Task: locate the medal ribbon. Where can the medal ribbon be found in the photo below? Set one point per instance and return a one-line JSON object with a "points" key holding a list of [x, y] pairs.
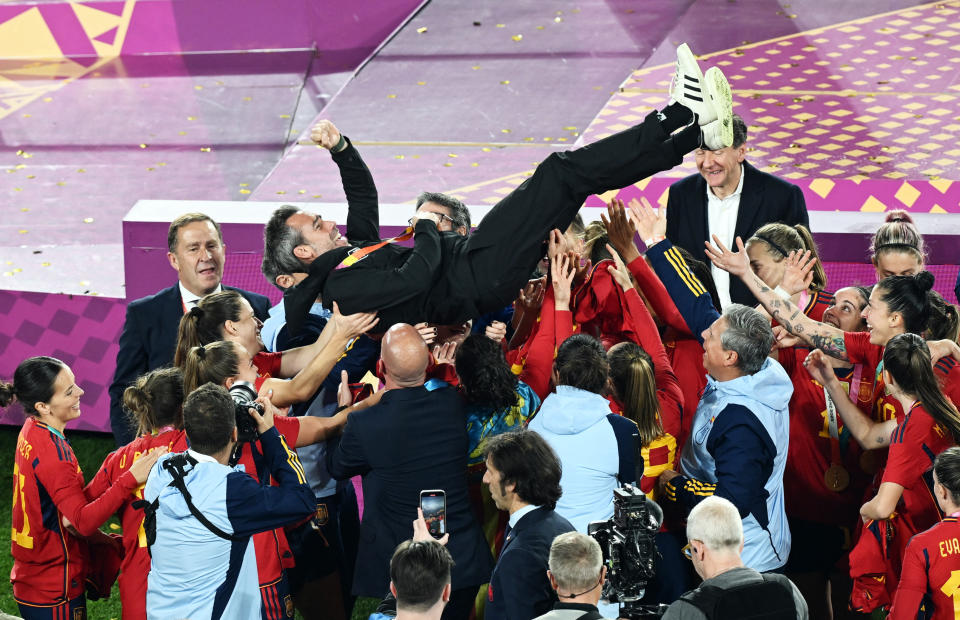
{"points": [[359, 254], [853, 391]]}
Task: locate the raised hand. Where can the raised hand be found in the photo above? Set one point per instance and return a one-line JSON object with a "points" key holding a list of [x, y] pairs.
{"points": [[816, 364], [427, 332], [736, 263], [620, 230], [352, 325], [651, 224], [325, 134], [496, 331], [581, 270], [556, 243], [561, 273], [531, 296], [445, 353], [798, 272], [619, 271]]}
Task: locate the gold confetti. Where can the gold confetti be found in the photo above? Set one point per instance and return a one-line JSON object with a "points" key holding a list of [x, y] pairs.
{"points": [[504, 81], [451, 155], [391, 96], [284, 116], [114, 526], [31, 176], [84, 283], [22, 231], [561, 139], [248, 98], [486, 149], [88, 220], [504, 131], [557, 19], [571, 128], [20, 152], [448, 164], [20, 166], [204, 149], [27, 155], [61, 183], [143, 146], [18, 270], [528, 139], [302, 191], [18, 189], [398, 156], [421, 29], [474, 164], [501, 25], [47, 99], [44, 264], [191, 118], [547, 139], [26, 116], [317, 196], [244, 185], [281, 192], [81, 170], [24, 209], [475, 67], [244, 191], [539, 27], [198, 87], [182, 133], [421, 83], [161, 164], [517, 37], [150, 169], [7, 273]]}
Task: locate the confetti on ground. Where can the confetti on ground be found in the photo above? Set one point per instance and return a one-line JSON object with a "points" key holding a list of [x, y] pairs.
{"points": [[421, 30]]}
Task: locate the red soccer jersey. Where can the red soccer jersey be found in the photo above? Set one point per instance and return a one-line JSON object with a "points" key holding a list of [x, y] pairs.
{"points": [[930, 576], [136, 559], [914, 444], [861, 351], [817, 302], [48, 564], [272, 549], [811, 451], [268, 364]]}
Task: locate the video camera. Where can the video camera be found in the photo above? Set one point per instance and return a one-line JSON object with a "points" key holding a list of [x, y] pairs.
{"points": [[628, 542]]}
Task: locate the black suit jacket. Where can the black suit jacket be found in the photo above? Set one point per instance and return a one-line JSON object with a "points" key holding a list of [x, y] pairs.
{"points": [[764, 199], [519, 587], [412, 440], [148, 341]]}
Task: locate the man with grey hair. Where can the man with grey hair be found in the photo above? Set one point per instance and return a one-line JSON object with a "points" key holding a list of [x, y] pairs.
{"points": [[730, 589], [576, 574], [737, 447]]}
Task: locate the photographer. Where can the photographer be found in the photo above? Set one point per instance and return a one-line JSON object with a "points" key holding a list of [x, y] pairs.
{"points": [[730, 589], [576, 574], [205, 512]]}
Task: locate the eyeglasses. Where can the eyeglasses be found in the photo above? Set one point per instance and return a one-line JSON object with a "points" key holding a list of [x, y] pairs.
{"points": [[441, 216]]}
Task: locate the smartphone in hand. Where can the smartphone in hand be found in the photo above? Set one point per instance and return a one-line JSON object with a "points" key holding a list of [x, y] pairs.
{"points": [[434, 506]]}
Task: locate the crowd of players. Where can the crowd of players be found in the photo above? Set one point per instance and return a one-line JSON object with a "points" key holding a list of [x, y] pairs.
{"points": [[818, 413]]}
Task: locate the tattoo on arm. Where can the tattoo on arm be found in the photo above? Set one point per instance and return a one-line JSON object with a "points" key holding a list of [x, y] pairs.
{"points": [[833, 346]]}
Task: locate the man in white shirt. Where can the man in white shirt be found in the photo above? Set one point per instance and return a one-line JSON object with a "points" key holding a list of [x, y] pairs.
{"points": [[196, 252], [729, 198]]}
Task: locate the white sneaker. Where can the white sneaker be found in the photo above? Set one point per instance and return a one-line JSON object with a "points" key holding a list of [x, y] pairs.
{"points": [[721, 99], [688, 87]]}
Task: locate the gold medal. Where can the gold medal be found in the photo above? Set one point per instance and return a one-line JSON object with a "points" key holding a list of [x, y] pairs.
{"points": [[871, 461], [836, 478]]}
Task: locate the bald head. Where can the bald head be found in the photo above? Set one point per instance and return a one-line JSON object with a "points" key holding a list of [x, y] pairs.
{"points": [[405, 356]]}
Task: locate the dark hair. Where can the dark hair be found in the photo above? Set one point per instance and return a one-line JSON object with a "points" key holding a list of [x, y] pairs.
{"points": [[634, 385], [898, 233], [527, 461], [213, 363], [33, 382], [459, 212], [782, 239], [209, 419], [279, 240], [581, 362], [485, 374], [204, 323], [183, 220], [420, 570], [739, 131], [944, 321], [155, 400], [577, 226], [910, 296], [701, 271], [947, 468], [907, 358]]}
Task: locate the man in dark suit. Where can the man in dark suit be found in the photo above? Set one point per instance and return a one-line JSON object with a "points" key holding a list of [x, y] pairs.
{"points": [[414, 439], [196, 251], [729, 198], [523, 474]]}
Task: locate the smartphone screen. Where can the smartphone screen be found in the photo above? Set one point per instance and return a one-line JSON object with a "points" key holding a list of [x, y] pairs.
{"points": [[434, 506]]}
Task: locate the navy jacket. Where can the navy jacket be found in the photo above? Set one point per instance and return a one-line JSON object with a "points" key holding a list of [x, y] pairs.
{"points": [[765, 199], [519, 587], [412, 440], [148, 341]]}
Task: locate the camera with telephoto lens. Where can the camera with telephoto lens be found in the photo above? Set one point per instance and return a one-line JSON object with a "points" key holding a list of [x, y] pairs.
{"points": [[243, 396], [628, 542]]}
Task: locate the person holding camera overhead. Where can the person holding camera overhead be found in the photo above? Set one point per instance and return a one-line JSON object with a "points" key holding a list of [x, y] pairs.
{"points": [[201, 514]]}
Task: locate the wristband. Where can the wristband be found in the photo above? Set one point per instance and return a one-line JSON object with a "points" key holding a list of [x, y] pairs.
{"points": [[341, 408], [342, 144], [653, 240], [781, 293]]}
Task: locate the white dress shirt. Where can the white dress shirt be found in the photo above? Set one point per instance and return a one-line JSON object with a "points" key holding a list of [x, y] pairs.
{"points": [[190, 300], [722, 222]]}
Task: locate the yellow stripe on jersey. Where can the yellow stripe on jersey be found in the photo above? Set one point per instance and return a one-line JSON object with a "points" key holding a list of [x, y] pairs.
{"points": [[680, 266], [294, 462]]}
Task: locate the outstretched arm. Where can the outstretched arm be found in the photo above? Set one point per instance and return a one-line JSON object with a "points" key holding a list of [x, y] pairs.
{"points": [[825, 337], [363, 217]]}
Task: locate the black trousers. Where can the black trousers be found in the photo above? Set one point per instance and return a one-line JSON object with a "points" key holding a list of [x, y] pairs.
{"points": [[503, 251]]}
